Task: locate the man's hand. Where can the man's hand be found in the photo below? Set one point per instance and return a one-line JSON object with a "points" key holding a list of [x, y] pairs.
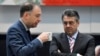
{"points": [[44, 36], [59, 51], [97, 50], [79, 54]]}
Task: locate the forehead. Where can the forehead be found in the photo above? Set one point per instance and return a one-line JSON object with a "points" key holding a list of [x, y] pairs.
{"points": [[67, 18]]}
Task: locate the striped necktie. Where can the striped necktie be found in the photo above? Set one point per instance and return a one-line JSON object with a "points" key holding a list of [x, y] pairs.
{"points": [[71, 42]]}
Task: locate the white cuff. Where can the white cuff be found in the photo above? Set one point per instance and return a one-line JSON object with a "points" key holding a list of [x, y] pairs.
{"points": [[40, 40]]}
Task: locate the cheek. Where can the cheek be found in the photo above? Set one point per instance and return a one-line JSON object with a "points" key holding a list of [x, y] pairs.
{"points": [[33, 20], [64, 27], [75, 27]]}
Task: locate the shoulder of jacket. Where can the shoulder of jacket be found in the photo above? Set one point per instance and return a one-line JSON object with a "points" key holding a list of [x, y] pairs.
{"points": [[88, 36]]}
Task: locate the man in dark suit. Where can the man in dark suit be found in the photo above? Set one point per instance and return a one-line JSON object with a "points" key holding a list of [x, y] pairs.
{"points": [[18, 39], [72, 42]]}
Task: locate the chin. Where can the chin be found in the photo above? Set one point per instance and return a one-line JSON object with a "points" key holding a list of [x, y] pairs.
{"points": [[69, 33]]}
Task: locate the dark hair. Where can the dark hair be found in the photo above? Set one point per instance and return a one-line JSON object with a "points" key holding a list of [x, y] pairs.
{"points": [[26, 7], [71, 13]]}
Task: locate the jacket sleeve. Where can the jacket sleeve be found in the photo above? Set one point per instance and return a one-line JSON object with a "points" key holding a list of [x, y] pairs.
{"points": [[54, 47], [91, 47], [17, 45]]}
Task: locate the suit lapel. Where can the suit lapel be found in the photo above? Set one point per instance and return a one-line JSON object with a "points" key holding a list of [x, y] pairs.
{"points": [[24, 32], [77, 42], [65, 42]]}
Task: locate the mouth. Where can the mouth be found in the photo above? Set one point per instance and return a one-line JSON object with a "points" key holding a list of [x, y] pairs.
{"points": [[69, 30], [36, 23]]}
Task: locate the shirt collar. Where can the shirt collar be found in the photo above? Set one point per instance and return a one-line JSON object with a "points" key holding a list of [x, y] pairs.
{"points": [[74, 36], [23, 24]]}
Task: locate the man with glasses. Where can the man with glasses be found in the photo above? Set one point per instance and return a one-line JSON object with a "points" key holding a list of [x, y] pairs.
{"points": [[72, 42]]}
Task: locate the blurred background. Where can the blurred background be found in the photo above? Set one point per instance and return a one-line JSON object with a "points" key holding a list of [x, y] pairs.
{"points": [[89, 11]]}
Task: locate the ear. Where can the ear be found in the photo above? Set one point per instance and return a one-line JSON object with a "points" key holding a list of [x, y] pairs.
{"points": [[26, 15], [78, 23]]}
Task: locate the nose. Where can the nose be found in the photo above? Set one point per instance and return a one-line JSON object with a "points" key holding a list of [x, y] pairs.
{"points": [[68, 25]]}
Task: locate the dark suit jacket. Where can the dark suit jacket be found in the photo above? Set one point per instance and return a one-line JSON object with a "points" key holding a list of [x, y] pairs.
{"points": [[18, 42], [84, 45]]}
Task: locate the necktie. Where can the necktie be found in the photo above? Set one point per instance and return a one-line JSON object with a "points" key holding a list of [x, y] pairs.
{"points": [[29, 35], [71, 42]]}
